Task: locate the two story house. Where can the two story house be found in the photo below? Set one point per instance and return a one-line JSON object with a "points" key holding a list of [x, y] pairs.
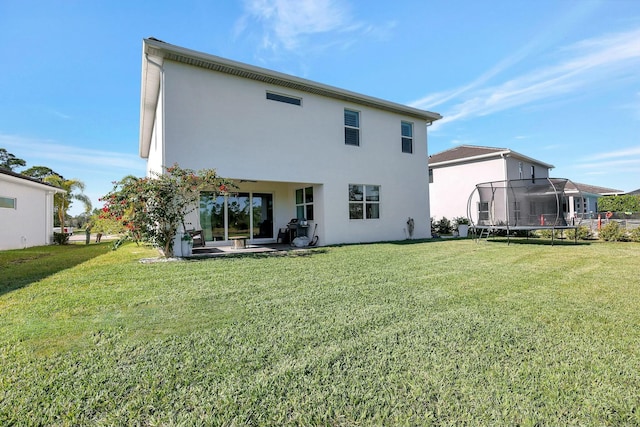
{"points": [[454, 174], [351, 166]]}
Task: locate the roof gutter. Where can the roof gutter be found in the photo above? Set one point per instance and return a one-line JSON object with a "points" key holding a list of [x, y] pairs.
{"points": [[497, 154]]}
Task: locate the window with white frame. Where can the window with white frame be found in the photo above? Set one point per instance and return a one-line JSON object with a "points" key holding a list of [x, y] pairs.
{"points": [[7, 202], [483, 211], [351, 127], [304, 203], [407, 137], [364, 201]]}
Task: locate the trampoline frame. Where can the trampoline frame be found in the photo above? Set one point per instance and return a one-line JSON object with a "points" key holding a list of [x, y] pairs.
{"points": [[506, 185]]}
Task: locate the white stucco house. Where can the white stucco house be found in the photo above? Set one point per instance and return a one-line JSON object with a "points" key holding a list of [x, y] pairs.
{"points": [[26, 211], [351, 165], [454, 174]]}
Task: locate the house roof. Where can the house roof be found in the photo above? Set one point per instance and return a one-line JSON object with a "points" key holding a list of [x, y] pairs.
{"points": [[634, 192], [155, 52], [468, 153], [592, 189], [14, 176]]}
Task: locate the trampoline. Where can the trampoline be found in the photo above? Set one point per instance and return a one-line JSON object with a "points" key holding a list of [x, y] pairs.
{"points": [[521, 205]]}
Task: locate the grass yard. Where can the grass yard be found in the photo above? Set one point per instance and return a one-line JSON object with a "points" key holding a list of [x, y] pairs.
{"points": [[429, 333]]}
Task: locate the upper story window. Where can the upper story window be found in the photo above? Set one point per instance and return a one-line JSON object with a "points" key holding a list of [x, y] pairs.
{"points": [[407, 137], [430, 176], [284, 98], [364, 201], [7, 202], [533, 174], [351, 127], [304, 203]]}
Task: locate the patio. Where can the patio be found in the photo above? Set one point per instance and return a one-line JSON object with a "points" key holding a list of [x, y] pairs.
{"points": [[230, 250]]}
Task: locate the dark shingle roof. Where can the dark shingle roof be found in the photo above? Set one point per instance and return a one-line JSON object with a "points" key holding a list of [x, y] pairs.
{"points": [[464, 152], [634, 192], [471, 152], [26, 178]]}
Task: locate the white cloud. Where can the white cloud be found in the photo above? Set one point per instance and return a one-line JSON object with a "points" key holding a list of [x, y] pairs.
{"points": [[96, 168], [591, 62], [625, 154], [44, 152], [286, 24]]}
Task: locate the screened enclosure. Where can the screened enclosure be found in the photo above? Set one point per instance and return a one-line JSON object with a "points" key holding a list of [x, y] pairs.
{"points": [[522, 204]]}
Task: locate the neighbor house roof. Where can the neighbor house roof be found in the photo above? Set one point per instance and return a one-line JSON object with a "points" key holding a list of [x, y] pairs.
{"points": [[634, 192], [155, 52], [468, 153], [23, 179], [592, 189]]}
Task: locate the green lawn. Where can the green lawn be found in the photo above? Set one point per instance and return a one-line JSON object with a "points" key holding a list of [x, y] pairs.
{"points": [[430, 333]]}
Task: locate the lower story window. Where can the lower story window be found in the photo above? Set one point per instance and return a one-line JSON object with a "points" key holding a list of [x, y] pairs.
{"points": [[304, 203], [364, 201], [483, 211]]}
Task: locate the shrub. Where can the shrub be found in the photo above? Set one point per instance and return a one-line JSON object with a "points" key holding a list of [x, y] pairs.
{"points": [[548, 233], [443, 226], [460, 220], [582, 233], [153, 208], [612, 232], [60, 238], [634, 235]]}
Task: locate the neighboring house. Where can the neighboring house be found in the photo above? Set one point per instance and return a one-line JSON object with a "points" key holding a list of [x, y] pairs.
{"points": [[26, 211], [454, 174], [351, 165], [584, 197], [634, 192]]}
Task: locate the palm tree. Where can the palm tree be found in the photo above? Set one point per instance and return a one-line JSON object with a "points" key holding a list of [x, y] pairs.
{"points": [[62, 201]]}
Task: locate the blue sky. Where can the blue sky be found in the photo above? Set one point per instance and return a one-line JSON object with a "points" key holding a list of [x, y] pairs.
{"points": [[557, 80]]}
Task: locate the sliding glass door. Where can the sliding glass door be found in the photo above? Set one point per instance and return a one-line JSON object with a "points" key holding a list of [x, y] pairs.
{"points": [[241, 214], [262, 216]]}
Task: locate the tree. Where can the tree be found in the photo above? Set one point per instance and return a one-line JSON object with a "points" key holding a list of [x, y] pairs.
{"points": [[152, 209], [40, 172], [624, 203], [62, 201], [8, 161]]}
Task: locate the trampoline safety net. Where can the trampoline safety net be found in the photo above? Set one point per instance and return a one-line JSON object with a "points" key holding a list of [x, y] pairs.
{"points": [[520, 204]]}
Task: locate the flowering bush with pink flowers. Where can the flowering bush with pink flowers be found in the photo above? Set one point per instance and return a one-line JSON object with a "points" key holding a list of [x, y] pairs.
{"points": [[153, 208]]}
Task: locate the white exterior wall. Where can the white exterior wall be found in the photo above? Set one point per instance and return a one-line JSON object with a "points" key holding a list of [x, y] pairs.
{"points": [[513, 169], [452, 185], [31, 222], [214, 120]]}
